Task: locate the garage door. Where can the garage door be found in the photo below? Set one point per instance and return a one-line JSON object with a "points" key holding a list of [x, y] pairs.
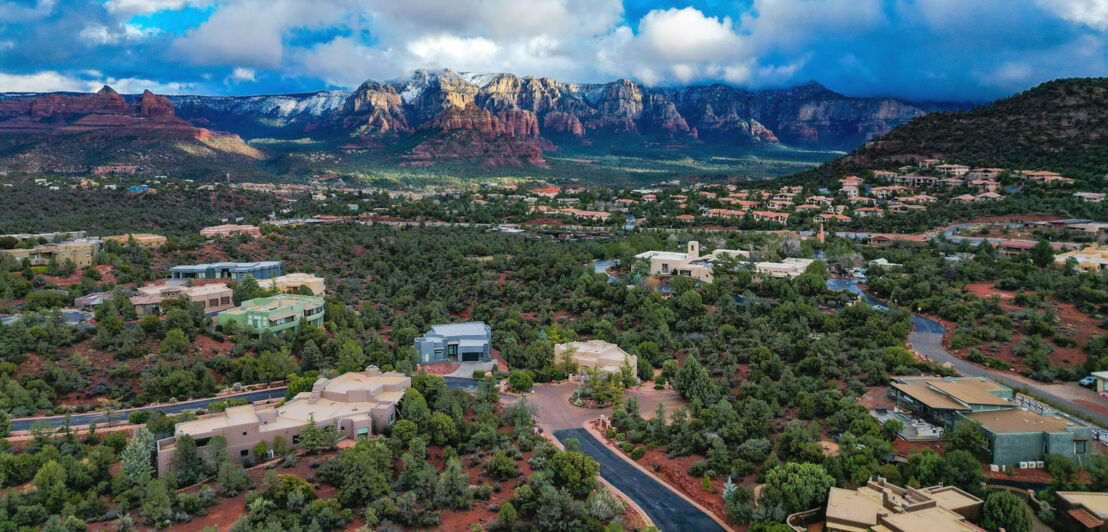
{"points": [[471, 357]]}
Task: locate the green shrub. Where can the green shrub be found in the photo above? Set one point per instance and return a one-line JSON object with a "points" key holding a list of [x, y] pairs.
{"points": [[638, 453]]}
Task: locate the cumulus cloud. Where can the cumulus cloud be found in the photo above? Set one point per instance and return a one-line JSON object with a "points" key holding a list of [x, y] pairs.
{"points": [[142, 7], [1092, 13], [242, 74], [84, 81]]}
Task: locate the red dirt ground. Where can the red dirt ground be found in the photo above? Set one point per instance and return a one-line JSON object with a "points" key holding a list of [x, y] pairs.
{"points": [[104, 269], [1073, 323]]}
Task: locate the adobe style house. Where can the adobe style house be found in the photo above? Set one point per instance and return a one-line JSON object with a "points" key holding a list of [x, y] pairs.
{"points": [[291, 282], [230, 230], [952, 169], [359, 404], [1090, 197], [689, 264], [1014, 434], [145, 240], [790, 267], [881, 505], [81, 251], [455, 342], [235, 271], [277, 314], [597, 354], [214, 296]]}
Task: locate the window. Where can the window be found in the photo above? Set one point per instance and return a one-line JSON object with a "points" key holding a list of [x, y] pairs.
{"points": [[244, 452], [244, 433]]}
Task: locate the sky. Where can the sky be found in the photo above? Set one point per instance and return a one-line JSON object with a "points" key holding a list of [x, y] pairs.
{"points": [[943, 50]]}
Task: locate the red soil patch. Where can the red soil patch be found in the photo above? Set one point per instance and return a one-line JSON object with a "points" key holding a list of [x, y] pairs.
{"points": [[439, 368], [1072, 323], [1100, 409], [74, 278]]}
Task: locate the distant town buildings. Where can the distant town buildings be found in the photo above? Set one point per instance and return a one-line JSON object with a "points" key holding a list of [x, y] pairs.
{"points": [[359, 404], [455, 342]]}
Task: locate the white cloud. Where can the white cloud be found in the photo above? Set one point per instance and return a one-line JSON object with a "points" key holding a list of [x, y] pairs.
{"points": [[242, 74], [142, 7], [684, 35], [21, 12], [473, 53], [45, 81], [1092, 13], [86, 81]]}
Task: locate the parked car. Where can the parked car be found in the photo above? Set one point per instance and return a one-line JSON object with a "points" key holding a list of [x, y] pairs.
{"points": [[1088, 382]]}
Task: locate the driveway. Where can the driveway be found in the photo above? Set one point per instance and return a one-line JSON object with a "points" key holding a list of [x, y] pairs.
{"points": [[550, 403], [669, 511], [465, 369]]}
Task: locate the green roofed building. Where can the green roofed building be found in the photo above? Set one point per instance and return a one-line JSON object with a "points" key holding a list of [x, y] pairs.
{"points": [[276, 314]]}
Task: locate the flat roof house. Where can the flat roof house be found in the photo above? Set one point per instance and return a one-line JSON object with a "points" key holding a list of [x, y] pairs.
{"points": [[1091, 259], [883, 506], [469, 341], [276, 314], [359, 404], [690, 264], [231, 230], [79, 250], [214, 296], [790, 267], [1083, 510], [235, 271], [291, 282], [597, 354], [1014, 434]]}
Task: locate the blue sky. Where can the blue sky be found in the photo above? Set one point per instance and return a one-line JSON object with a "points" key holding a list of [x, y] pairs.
{"points": [[917, 49]]}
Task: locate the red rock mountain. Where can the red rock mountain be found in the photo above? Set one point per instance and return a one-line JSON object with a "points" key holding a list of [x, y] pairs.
{"points": [[63, 132]]}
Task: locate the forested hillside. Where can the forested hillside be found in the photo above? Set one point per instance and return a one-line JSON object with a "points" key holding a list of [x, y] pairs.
{"points": [[1061, 125]]}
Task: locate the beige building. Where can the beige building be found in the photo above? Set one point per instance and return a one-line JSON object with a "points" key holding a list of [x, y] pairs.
{"points": [[359, 404], [881, 506], [1091, 259], [790, 267], [1083, 510], [230, 230], [214, 296], [293, 281], [597, 354], [145, 240], [689, 264], [81, 251]]}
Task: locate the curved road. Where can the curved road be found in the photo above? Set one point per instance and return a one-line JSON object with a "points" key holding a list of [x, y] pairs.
{"points": [[669, 511], [76, 420]]}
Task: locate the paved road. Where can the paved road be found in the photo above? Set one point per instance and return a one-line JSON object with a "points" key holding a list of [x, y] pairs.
{"points": [[452, 383], [669, 511]]}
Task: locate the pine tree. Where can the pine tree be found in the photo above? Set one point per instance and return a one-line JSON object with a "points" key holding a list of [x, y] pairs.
{"points": [[136, 456]]}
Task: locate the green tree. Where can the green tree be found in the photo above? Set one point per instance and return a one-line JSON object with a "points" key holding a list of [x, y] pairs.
{"points": [[136, 456], [966, 435], [156, 504], [186, 461], [1003, 509], [796, 486], [175, 344], [574, 471], [506, 518], [1042, 254], [50, 485], [694, 383]]}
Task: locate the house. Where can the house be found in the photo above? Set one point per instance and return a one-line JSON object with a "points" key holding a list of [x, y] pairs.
{"points": [[690, 264], [807, 207], [881, 505], [850, 186], [984, 185], [862, 200], [771, 216], [145, 240], [1091, 259], [832, 218], [988, 196], [1042, 176], [963, 199], [883, 174], [915, 180], [81, 251], [900, 208], [778, 205], [277, 314], [92, 300], [928, 163], [952, 169], [919, 198], [866, 212], [788, 268], [685, 218], [1083, 510], [290, 283], [887, 192], [820, 200], [1014, 434], [236, 271], [455, 342], [1090, 197], [1011, 248], [724, 213], [359, 404], [1095, 230], [888, 239], [227, 230], [599, 355], [214, 296], [950, 182], [985, 173]]}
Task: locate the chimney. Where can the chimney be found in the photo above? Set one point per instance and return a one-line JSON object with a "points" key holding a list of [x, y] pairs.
{"points": [[694, 249]]}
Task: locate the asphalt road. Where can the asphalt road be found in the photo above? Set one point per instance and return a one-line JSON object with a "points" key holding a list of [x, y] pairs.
{"points": [[452, 383], [669, 511]]}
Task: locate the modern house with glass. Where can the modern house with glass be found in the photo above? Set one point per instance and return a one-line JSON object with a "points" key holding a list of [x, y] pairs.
{"points": [[276, 314], [458, 342], [235, 271]]}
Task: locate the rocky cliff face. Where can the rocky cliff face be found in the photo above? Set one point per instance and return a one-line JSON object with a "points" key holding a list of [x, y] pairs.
{"points": [[61, 132], [542, 108]]}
